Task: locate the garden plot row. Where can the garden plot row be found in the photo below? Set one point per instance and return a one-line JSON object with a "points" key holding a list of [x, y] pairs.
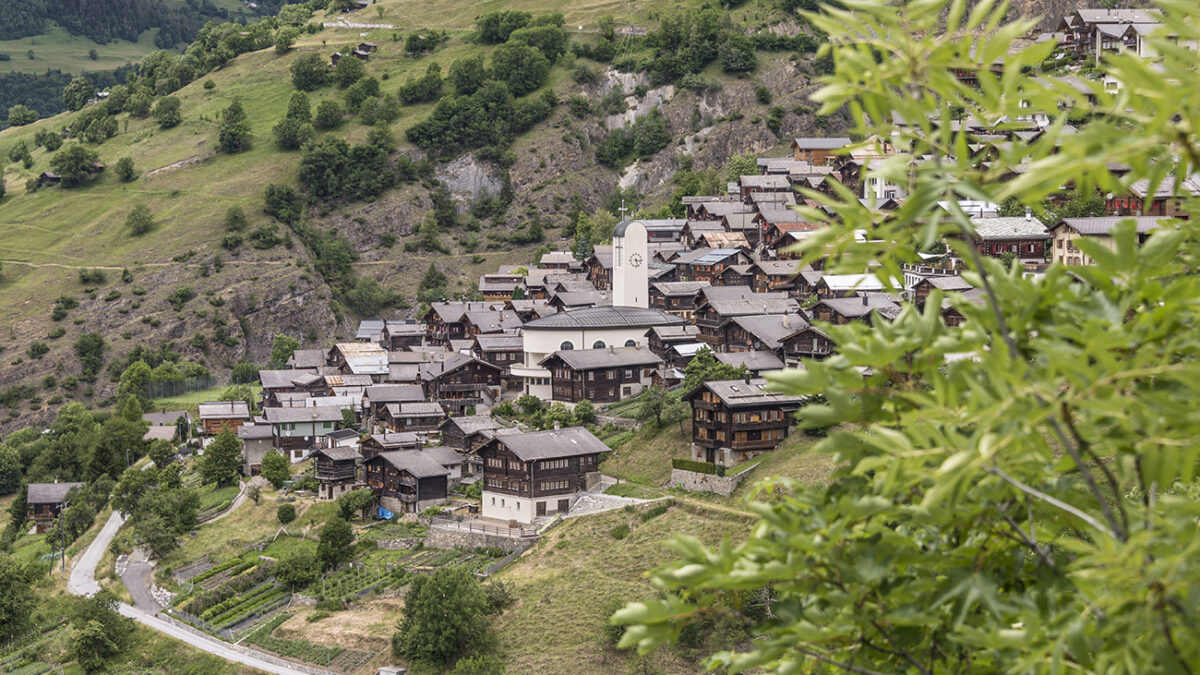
{"points": [[302, 650]]}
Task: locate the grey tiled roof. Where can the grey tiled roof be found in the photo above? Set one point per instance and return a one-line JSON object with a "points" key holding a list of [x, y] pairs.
{"points": [[605, 317], [48, 493], [617, 357], [553, 444], [740, 393], [414, 462]]}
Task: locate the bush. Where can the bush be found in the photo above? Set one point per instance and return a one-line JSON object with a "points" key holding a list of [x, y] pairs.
{"points": [[180, 296], [125, 170], [656, 511], [166, 112], [308, 72], [348, 70], [286, 513], [19, 115], [139, 221], [90, 277], [329, 114], [619, 532]]}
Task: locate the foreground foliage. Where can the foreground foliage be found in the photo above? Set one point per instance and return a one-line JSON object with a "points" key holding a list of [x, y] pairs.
{"points": [[1017, 494]]}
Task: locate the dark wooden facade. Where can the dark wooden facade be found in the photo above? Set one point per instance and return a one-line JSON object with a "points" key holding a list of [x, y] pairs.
{"points": [[505, 473], [463, 386], [605, 384], [387, 481], [746, 429]]}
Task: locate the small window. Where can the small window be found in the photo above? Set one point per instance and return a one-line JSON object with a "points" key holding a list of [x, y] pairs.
{"points": [[566, 346], [630, 343], [598, 344]]}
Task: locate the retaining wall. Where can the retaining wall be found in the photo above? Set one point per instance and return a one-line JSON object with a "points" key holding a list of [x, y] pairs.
{"points": [[705, 482], [440, 537]]}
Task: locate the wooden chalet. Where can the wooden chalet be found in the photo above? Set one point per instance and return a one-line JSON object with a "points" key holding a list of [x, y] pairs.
{"points": [[676, 297], [337, 471], [399, 335], [501, 350], [465, 433], [487, 322], [810, 343], [866, 307], [734, 275], [407, 481], [599, 267], [762, 332], [45, 501], [1164, 200], [459, 382], [500, 287], [420, 417], [695, 229], [385, 442], [735, 420], [946, 283], [444, 320], [755, 362], [360, 358], [660, 339], [757, 183], [817, 151], [526, 476], [600, 375], [705, 264], [216, 416], [713, 314], [774, 275], [1026, 238], [306, 359], [376, 397], [275, 382]]}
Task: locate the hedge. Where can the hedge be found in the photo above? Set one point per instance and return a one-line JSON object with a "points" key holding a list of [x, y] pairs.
{"points": [[698, 467]]}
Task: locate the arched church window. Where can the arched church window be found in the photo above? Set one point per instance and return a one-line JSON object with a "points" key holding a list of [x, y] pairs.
{"points": [[566, 346], [598, 344], [630, 343]]}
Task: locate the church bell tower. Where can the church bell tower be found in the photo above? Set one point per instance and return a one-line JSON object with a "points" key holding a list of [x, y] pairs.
{"points": [[631, 277]]}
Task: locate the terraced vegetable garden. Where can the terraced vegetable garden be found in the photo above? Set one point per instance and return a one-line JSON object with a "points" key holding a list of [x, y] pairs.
{"points": [[337, 659]]}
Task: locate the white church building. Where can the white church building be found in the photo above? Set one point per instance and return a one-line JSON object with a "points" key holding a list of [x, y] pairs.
{"points": [[624, 324]]}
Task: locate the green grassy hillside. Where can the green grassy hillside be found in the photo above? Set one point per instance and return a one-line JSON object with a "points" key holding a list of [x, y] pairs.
{"points": [[58, 50]]}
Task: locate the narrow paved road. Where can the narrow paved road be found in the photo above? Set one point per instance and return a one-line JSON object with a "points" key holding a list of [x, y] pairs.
{"points": [[83, 582], [137, 579]]}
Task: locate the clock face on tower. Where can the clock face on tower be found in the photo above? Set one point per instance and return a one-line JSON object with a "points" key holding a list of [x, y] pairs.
{"points": [[635, 260]]}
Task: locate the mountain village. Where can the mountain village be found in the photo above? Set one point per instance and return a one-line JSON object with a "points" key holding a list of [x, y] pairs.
{"points": [[461, 435]]}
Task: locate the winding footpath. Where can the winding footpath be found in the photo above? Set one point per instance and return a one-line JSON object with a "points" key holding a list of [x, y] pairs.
{"points": [[83, 582]]}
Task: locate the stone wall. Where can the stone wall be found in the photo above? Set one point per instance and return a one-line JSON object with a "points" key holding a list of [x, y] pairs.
{"points": [[443, 537], [705, 482], [397, 544]]}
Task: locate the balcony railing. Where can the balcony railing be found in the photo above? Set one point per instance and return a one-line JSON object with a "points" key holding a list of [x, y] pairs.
{"points": [[477, 386]]}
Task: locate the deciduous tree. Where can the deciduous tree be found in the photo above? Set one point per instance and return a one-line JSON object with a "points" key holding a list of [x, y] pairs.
{"points": [[221, 459], [1031, 507], [275, 468]]}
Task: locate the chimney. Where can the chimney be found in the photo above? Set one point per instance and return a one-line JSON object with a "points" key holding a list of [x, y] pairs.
{"points": [[865, 302], [611, 350], [557, 425], [786, 321], [747, 377], [1028, 213]]}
